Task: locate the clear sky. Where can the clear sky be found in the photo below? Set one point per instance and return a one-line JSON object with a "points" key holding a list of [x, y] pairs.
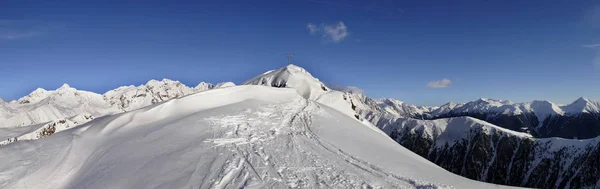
{"points": [[425, 52]]}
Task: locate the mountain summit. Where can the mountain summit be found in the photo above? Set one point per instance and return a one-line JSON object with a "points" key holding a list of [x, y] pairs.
{"points": [[291, 76]]}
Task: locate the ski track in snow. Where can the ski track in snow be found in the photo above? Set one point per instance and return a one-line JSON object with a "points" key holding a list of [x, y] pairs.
{"points": [[251, 168]]}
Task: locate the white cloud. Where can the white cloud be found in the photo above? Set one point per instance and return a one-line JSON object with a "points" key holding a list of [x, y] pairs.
{"points": [[313, 29], [439, 84], [593, 46], [335, 33], [350, 89]]}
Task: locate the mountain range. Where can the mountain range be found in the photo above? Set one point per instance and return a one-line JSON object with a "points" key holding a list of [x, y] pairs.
{"points": [[255, 127]]}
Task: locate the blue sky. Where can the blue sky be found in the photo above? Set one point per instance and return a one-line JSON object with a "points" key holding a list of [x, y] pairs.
{"points": [[426, 52]]}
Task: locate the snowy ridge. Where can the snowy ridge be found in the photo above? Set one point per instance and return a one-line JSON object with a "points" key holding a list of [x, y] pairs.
{"points": [[399, 108], [446, 130], [245, 136]]}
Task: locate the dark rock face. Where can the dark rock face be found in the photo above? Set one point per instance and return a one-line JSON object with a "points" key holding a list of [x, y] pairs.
{"points": [[501, 158], [579, 126]]}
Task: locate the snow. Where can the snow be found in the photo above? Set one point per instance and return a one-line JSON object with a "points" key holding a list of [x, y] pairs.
{"points": [[203, 86], [225, 84], [244, 136], [448, 130], [42, 106], [541, 108], [297, 78], [399, 108], [291, 76], [582, 105]]}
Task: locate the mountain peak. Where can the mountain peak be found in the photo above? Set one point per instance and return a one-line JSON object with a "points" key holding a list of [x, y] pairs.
{"points": [[582, 105], [225, 84], [38, 91], [492, 101], [581, 100], [64, 86], [202, 86], [291, 76], [293, 68]]}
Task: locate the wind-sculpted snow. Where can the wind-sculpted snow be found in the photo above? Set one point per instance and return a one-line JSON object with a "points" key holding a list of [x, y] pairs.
{"points": [[237, 137]]}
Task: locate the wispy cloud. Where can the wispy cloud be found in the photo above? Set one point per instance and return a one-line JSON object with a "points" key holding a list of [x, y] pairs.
{"points": [[6, 35], [313, 29], [21, 29], [593, 46], [335, 32], [439, 84]]}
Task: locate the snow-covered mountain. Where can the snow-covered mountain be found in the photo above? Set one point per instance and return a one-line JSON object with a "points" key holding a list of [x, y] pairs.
{"points": [[43, 106], [464, 145], [580, 119], [306, 135], [129, 98], [65, 107], [542, 109], [235, 137], [309, 87], [483, 151]]}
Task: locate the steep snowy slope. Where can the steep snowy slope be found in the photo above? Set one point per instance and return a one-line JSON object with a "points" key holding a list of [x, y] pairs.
{"points": [[236, 137]]}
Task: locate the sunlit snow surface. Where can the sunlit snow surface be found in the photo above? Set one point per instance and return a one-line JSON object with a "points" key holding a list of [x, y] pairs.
{"points": [[236, 137]]}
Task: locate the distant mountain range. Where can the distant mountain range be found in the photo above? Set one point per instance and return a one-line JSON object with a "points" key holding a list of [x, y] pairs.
{"points": [[542, 119]]}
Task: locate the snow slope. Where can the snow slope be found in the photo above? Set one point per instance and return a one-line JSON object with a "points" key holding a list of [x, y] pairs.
{"points": [[236, 137]]}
